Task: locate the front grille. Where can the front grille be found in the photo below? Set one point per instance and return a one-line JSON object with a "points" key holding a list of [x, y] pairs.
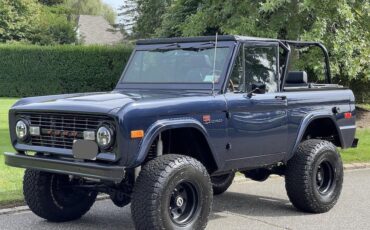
{"points": [[60, 130]]}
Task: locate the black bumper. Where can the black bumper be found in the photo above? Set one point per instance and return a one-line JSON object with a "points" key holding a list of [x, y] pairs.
{"points": [[83, 169]]}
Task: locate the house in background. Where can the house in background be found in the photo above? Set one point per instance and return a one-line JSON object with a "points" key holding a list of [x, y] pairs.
{"points": [[96, 30]]}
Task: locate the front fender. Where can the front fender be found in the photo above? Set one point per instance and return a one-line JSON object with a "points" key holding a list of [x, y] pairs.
{"points": [[304, 125], [161, 125]]}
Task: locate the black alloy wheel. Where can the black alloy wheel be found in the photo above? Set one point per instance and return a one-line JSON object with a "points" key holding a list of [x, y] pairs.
{"points": [[324, 177], [183, 203]]}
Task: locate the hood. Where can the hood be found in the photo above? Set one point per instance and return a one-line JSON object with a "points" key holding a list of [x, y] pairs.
{"points": [[88, 102], [92, 102]]}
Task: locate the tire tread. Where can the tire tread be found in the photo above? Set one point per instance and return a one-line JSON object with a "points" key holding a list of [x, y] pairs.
{"points": [[37, 194], [148, 187], [298, 174]]}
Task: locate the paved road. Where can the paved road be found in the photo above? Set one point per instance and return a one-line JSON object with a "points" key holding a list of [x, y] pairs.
{"points": [[247, 205]]}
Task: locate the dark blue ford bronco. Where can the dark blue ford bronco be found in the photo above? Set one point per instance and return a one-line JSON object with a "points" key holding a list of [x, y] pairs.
{"points": [[186, 115]]}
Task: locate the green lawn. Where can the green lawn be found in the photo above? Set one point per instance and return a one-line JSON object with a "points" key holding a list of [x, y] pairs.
{"points": [[364, 106], [11, 178], [362, 152]]}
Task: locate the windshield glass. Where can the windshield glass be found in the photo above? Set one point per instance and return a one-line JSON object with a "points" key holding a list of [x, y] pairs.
{"points": [[185, 65]]}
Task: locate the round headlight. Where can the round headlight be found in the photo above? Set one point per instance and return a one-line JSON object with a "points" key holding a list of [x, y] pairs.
{"points": [[104, 137], [21, 129]]}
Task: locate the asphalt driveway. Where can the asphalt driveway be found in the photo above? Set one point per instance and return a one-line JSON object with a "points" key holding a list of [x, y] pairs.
{"points": [[247, 205]]}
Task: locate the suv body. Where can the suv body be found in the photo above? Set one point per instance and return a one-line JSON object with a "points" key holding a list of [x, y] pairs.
{"points": [[231, 108]]}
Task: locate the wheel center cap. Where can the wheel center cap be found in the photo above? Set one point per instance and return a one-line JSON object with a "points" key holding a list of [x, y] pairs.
{"points": [[179, 201]]}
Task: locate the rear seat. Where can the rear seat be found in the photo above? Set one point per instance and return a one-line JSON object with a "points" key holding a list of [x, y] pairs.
{"points": [[296, 79]]}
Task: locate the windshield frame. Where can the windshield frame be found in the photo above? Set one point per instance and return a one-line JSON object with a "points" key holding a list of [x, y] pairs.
{"points": [[174, 85]]}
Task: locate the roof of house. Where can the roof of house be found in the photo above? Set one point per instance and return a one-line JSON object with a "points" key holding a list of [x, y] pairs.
{"points": [[97, 30]]}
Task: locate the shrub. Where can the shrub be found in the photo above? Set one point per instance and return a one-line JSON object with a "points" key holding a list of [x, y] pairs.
{"points": [[44, 70]]}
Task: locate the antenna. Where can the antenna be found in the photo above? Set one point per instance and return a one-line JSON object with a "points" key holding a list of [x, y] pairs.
{"points": [[214, 66]]}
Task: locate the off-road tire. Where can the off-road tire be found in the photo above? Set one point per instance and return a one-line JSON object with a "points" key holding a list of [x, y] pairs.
{"points": [[314, 160], [154, 189], [221, 183], [45, 199]]}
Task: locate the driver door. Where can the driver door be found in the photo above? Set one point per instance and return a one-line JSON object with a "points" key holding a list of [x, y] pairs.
{"points": [[258, 121]]}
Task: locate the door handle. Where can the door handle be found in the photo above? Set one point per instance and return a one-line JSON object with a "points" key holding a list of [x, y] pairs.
{"points": [[281, 97]]}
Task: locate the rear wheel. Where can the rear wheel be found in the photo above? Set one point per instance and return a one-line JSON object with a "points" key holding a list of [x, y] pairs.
{"points": [[260, 174], [172, 192], [314, 176], [221, 183], [56, 197]]}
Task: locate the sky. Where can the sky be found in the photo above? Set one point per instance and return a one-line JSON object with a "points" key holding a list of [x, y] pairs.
{"points": [[115, 4]]}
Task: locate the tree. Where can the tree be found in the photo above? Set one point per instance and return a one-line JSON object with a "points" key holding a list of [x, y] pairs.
{"points": [[175, 15], [29, 21], [109, 14], [92, 7], [54, 27], [342, 25], [16, 17], [128, 13], [149, 17]]}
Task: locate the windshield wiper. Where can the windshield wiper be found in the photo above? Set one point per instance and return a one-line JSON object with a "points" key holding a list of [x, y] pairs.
{"points": [[175, 46], [166, 48]]}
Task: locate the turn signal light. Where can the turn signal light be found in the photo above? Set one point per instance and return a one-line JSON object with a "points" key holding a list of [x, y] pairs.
{"points": [[137, 134]]}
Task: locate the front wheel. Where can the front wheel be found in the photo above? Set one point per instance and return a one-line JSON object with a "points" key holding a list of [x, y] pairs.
{"points": [[314, 176], [56, 197], [172, 192]]}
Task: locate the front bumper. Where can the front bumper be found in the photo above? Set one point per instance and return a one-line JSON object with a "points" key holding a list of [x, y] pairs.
{"points": [[83, 169]]}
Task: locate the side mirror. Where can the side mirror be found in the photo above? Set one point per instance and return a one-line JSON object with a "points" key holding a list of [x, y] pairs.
{"points": [[257, 88]]}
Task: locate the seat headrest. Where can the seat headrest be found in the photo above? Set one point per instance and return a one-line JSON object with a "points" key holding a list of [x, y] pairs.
{"points": [[297, 77]]}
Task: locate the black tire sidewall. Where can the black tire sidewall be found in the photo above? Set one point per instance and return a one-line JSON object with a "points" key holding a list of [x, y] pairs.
{"points": [[220, 186], [40, 197], [334, 159], [77, 206], [301, 172], [153, 190], [186, 174]]}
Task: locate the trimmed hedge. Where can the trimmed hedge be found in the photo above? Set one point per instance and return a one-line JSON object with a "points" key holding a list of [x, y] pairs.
{"points": [[45, 70]]}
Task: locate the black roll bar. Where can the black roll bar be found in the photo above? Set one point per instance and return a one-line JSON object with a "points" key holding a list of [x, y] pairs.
{"points": [[299, 44]]}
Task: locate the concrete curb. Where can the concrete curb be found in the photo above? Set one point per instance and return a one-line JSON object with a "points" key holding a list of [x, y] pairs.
{"points": [[240, 178], [13, 210], [25, 207], [237, 179], [353, 166], [356, 166]]}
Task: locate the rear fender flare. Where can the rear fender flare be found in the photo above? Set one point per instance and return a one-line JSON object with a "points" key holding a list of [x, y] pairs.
{"points": [[306, 123]]}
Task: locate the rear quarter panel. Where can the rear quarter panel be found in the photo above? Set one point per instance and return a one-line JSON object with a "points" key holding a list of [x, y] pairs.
{"points": [[305, 106]]}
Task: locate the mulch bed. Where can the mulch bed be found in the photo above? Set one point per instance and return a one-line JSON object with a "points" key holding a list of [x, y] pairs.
{"points": [[362, 118]]}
